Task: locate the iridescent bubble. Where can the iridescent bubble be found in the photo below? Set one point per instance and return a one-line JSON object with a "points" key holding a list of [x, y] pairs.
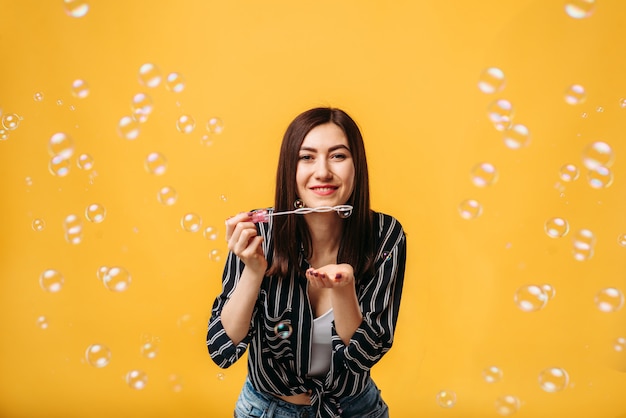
{"points": [[11, 121], [598, 154], [128, 128], [507, 405], [345, 213], [136, 379], [500, 113], [176, 382], [76, 8], [517, 136], [42, 322], [141, 106], [95, 213], [167, 196], [61, 144], [283, 330], [580, 9], [98, 355], [215, 126], [621, 240], [206, 140], [548, 290], [210, 233], [101, 272], [39, 224], [609, 300], [583, 243], [556, 227], [575, 94], [387, 256], [223, 198], [553, 379], [492, 374], [117, 279], [221, 376], [149, 75], [191, 222], [470, 209], [569, 172], [149, 349], [85, 162], [4, 134], [51, 280], [175, 82], [38, 96], [530, 298], [484, 174], [59, 166], [215, 255], [73, 229], [492, 80], [156, 163], [619, 344], [446, 398], [80, 89], [600, 177], [29, 181], [185, 124], [622, 102]]}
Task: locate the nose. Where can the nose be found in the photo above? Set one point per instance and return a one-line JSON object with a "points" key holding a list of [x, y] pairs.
{"points": [[322, 169]]}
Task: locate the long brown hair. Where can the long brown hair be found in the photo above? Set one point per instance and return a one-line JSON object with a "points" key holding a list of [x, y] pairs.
{"points": [[357, 241]]}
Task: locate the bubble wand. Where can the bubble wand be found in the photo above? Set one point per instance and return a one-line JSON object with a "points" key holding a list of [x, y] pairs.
{"points": [[263, 215]]}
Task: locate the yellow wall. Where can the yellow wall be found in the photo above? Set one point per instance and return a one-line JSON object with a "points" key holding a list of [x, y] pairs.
{"points": [[408, 72]]}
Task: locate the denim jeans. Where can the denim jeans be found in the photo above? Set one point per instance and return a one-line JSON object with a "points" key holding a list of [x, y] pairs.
{"points": [[252, 403]]}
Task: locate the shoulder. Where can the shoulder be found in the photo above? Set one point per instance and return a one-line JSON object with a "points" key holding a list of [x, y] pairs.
{"points": [[386, 224]]}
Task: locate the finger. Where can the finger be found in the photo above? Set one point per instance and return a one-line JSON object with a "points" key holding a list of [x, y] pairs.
{"points": [[233, 221], [242, 239]]}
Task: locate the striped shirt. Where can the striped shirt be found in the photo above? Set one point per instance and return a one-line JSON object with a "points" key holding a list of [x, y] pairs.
{"points": [[280, 366]]}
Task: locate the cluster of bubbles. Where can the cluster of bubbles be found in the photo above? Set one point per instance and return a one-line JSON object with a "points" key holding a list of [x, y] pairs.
{"points": [[8, 122]]}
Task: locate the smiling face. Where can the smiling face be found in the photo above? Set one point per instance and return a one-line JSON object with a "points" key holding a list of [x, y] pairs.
{"points": [[325, 170]]}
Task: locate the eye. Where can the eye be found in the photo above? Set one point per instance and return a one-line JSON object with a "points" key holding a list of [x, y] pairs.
{"points": [[305, 157], [339, 156]]}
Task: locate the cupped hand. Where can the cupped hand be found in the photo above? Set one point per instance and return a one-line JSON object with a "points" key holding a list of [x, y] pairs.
{"points": [[331, 276], [244, 241]]}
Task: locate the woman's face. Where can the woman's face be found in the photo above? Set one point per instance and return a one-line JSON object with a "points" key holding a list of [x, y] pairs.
{"points": [[325, 173]]}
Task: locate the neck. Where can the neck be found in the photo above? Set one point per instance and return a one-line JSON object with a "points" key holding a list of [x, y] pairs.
{"points": [[325, 230]]}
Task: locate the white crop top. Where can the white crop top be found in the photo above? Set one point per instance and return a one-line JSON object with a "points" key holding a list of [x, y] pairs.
{"points": [[321, 348]]}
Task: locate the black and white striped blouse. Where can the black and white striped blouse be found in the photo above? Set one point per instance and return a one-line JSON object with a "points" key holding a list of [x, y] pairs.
{"points": [[280, 366]]}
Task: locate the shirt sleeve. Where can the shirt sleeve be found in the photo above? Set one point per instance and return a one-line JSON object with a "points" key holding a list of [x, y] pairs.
{"points": [[221, 348], [379, 298]]}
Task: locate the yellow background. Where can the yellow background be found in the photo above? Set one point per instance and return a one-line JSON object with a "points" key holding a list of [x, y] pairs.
{"points": [[407, 71]]}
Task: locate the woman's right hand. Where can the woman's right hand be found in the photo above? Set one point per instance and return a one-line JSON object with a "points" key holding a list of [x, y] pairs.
{"points": [[245, 243]]}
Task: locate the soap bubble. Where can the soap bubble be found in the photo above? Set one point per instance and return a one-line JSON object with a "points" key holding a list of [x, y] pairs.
{"points": [[156, 163], [621, 240], [619, 344], [42, 322], [507, 405], [569, 172], [530, 298], [61, 144], [175, 82], [149, 75], [176, 382], [128, 128], [609, 300], [492, 80], [283, 330], [556, 227], [185, 124], [4, 134], [101, 272], [500, 113], [136, 379], [517, 136], [84, 162], [80, 89], [580, 9], [215, 255], [598, 154], [492, 374], [73, 229], [117, 279], [95, 213], [446, 398], [38, 97], [345, 213], [51, 281], [600, 177], [215, 125], [210, 233], [167, 196], [191, 222], [39, 224], [484, 174], [583, 243], [141, 106], [553, 379], [548, 290], [98, 355], [221, 376], [149, 349], [575, 94], [76, 8], [11, 121], [59, 166], [470, 209]]}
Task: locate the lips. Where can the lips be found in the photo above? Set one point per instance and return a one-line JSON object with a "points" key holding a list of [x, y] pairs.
{"points": [[324, 190]]}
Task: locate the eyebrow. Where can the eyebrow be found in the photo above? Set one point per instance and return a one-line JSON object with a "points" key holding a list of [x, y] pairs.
{"points": [[331, 149]]}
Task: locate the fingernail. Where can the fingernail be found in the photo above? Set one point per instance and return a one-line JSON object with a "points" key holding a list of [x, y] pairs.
{"points": [[338, 276]]}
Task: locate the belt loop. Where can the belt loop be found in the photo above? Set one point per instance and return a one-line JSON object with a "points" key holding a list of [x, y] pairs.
{"points": [[270, 409]]}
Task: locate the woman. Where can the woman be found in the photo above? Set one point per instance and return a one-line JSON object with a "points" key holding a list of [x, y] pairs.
{"points": [[315, 296]]}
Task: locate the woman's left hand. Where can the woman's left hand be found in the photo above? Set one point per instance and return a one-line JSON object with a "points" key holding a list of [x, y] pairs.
{"points": [[331, 276]]}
